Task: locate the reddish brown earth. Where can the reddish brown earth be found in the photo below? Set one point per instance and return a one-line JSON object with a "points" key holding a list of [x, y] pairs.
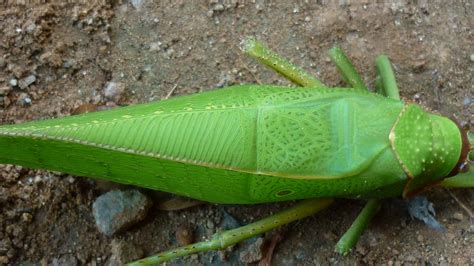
{"points": [[181, 47]]}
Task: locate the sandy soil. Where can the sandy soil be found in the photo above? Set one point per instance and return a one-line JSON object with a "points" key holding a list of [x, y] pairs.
{"points": [[151, 50]]}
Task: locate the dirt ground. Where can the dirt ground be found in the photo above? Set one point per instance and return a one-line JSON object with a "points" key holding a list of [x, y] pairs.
{"points": [[152, 50]]}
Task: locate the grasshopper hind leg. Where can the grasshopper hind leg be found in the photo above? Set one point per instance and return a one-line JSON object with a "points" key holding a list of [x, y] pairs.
{"points": [[222, 240], [346, 68], [385, 82], [280, 65]]}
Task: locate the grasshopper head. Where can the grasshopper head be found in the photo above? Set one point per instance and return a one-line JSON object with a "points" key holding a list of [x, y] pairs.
{"points": [[429, 148]]}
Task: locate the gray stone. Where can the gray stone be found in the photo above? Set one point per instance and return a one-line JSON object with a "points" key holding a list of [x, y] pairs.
{"points": [[31, 28], [24, 99], [116, 210], [253, 253], [68, 63], [24, 83], [155, 46], [114, 90], [228, 221], [137, 3], [467, 100], [67, 259]]}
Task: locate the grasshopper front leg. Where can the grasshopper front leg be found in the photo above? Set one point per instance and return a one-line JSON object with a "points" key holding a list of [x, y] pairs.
{"points": [[349, 239], [464, 180]]}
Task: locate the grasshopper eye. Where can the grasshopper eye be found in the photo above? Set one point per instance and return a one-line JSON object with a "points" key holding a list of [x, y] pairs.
{"points": [[464, 167]]}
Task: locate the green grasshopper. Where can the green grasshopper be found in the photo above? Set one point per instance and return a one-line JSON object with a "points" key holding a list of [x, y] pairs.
{"points": [[260, 143]]}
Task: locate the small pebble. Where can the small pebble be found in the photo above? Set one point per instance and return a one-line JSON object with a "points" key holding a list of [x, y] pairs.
{"points": [[114, 90], [13, 82], [210, 224], [301, 255], [169, 53], [4, 260], [43, 262], [67, 259], [228, 221], [37, 179], [6, 101], [68, 63], [416, 97], [343, 2], [3, 63], [218, 7], [26, 217], [4, 90], [253, 253], [24, 99], [419, 66], [117, 210], [471, 57], [466, 101], [403, 223], [31, 28], [458, 216], [3, 195], [184, 235], [155, 46], [419, 238], [137, 3]]}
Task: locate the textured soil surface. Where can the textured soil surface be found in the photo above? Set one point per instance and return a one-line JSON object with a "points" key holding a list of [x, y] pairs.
{"points": [[71, 58]]}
